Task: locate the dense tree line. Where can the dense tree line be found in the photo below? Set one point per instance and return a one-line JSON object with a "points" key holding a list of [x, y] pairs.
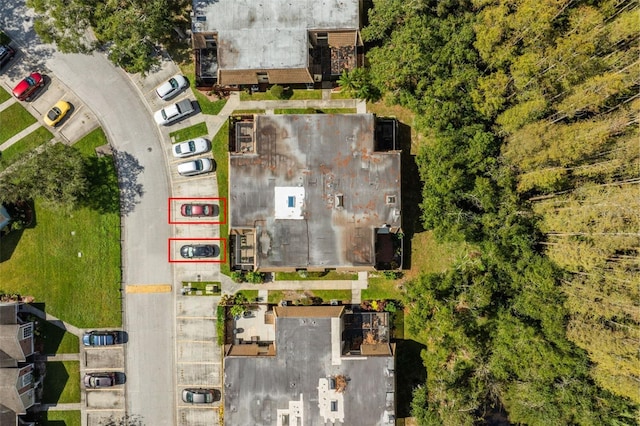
{"points": [[128, 29], [531, 112]]}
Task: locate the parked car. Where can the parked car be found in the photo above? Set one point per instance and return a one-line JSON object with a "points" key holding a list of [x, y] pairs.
{"points": [[196, 167], [196, 251], [99, 380], [100, 338], [171, 87], [6, 54], [57, 113], [200, 396], [173, 113], [198, 210], [193, 147], [28, 86]]}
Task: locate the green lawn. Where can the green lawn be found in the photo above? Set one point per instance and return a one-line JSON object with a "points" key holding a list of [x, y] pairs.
{"points": [[62, 382], [382, 288], [56, 340], [4, 95], [342, 95], [190, 132], [312, 276], [70, 260], [315, 111], [88, 144], [248, 294], [247, 111], [61, 418], [220, 148], [14, 119], [28, 143], [297, 94]]}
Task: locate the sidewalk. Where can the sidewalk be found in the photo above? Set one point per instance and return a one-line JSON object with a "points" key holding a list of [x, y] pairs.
{"points": [[15, 138], [53, 320]]}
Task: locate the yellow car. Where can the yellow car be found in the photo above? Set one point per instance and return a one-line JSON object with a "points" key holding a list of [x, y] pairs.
{"points": [[57, 113]]}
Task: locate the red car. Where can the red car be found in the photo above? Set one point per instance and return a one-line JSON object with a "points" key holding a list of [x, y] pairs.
{"points": [[198, 210], [28, 86]]}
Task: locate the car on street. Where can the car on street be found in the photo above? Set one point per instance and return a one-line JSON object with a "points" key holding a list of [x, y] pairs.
{"points": [[192, 147], [27, 86], [57, 113], [173, 113], [200, 396], [6, 54], [99, 380], [171, 87], [100, 338], [197, 251], [198, 210], [196, 167]]}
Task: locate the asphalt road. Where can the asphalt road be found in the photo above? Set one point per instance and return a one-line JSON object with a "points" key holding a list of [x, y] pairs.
{"points": [[148, 318]]}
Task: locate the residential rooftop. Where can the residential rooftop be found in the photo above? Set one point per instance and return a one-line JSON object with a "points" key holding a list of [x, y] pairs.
{"points": [[270, 34], [296, 382]]}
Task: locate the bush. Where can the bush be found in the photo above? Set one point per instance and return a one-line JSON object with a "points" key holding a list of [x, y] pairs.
{"points": [[277, 91], [255, 277], [237, 277]]}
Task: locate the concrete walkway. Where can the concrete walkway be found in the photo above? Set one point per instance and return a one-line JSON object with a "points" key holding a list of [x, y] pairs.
{"points": [[15, 138], [59, 407], [6, 104], [53, 320]]}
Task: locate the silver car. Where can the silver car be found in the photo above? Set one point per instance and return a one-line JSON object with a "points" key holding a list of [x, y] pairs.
{"points": [[200, 396], [99, 380], [193, 147], [171, 87], [196, 167]]}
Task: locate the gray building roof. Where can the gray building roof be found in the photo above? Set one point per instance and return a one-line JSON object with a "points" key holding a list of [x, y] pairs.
{"points": [[315, 190], [270, 34], [294, 386]]}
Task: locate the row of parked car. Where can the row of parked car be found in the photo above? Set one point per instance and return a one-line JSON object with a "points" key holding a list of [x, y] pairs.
{"points": [[112, 378], [175, 112]]}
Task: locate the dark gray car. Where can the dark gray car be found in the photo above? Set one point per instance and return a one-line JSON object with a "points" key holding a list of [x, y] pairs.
{"points": [[194, 251]]}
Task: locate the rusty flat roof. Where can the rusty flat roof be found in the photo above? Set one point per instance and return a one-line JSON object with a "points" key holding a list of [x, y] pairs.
{"points": [[347, 188]]}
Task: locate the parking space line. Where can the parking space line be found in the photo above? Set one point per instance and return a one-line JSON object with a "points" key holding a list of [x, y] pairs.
{"points": [[195, 341], [148, 288], [104, 409]]}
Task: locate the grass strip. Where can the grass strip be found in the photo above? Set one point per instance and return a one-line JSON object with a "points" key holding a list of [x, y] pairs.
{"points": [[62, 382], [28, 143], [14, 119], [190, 132]]}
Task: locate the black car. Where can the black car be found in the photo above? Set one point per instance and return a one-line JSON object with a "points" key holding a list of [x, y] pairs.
{"points": [[192, 251], [6, 54]]}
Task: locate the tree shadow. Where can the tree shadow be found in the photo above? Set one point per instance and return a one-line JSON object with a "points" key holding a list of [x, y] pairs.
{"points": [[8, 244], [411, 192], [411, 373], [103, 194], [128, 168]]}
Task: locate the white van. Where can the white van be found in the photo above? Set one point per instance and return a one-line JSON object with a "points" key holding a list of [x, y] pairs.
{"points": [[195, 167]]}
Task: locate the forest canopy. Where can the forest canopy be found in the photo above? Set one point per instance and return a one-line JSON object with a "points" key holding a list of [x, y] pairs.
{"points": [[530, 110]]}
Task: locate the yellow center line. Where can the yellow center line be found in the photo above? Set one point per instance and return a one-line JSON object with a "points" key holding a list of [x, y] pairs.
{"points": [[148, 288]]}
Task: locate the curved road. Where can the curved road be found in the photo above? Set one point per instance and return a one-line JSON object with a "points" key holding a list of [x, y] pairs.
{"points": [[148, 318]]}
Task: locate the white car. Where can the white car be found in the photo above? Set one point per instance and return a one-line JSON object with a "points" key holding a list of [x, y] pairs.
{"points": [[195, 167], [172, 87], [193, 147], [175, 112]]}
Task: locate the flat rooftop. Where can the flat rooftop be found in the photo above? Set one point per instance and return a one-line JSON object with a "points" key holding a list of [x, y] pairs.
{"points": [[270, 34], [292, 387], [314, 189]]}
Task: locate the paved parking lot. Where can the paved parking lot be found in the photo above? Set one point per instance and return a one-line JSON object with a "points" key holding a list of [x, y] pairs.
{"points": [[105, 402]]}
